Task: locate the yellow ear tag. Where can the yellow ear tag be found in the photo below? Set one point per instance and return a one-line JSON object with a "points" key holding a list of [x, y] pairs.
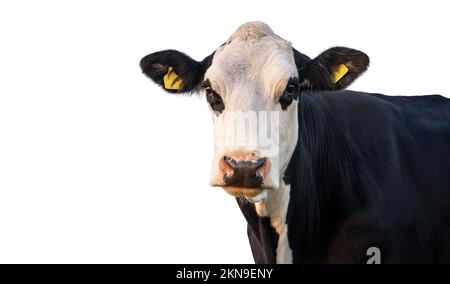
{"points": [[172, 81], [340, 71]]}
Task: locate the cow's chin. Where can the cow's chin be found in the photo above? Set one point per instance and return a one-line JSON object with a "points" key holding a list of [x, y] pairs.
{"points": [[243, 191]]}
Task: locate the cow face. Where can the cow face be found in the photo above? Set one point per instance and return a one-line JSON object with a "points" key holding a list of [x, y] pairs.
{"points": [[252, 85]]}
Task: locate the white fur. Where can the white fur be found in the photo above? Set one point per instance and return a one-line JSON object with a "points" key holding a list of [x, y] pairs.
{"points": [[275, 206], [259, 197], [284, 252], [250, 73]]}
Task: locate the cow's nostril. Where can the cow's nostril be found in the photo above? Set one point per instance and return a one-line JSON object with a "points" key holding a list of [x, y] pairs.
{"points": [[244, 173], [231, 162]]}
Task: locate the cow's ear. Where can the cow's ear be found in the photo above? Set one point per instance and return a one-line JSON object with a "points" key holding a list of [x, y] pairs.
{"points": [[174, 71], [333, 69]]}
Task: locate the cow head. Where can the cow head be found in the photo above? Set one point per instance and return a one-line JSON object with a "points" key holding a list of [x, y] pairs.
{"points": [[252, 85]]}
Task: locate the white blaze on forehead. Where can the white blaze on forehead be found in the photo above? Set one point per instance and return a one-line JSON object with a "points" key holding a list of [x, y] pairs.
{"points": [[254, 62]]}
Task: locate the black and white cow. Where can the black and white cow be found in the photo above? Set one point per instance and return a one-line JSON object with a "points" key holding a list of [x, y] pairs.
{"points": [[345, 171]]}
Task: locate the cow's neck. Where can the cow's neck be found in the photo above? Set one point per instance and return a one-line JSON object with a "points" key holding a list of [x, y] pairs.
{"points": [[275, 204], [324, 178], [275, 207]]}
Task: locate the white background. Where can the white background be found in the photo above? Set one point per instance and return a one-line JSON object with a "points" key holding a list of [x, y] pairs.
{"points": [[98, 165]]}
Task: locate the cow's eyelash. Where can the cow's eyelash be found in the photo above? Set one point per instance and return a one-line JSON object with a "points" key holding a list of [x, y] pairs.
{"points": [[205, 84], [293, 80], [213, 98]]}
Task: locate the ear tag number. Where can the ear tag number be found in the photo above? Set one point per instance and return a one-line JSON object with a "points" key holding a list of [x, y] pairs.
{"points": [[340, 72], [172, 81]]}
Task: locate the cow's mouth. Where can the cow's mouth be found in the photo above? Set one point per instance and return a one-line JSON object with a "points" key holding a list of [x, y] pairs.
{"points": [[243, 191]]}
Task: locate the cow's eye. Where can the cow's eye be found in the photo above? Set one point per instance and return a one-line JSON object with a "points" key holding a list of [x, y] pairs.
{"points": [[214, 100], [290, 94], [290, 89]]}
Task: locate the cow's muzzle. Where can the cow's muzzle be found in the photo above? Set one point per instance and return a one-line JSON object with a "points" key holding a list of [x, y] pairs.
{"points": [[246, 173], [243, 173]]}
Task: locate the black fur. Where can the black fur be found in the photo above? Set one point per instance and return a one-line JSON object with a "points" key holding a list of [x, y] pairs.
{"points": [[262, 236], [290, 93], [317, 73], [300, 59], [155, 66], [368, 170], [212, 97]]}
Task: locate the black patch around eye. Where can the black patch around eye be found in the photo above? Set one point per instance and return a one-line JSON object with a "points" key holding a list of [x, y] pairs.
{"points": [[214, 100], [290, 93]]}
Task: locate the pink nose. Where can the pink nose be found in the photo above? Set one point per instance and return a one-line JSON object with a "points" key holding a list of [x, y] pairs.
{"points": [[246, 173]]}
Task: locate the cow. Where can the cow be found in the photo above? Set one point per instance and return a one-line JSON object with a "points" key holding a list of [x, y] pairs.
{"points": [[351, 177]]}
